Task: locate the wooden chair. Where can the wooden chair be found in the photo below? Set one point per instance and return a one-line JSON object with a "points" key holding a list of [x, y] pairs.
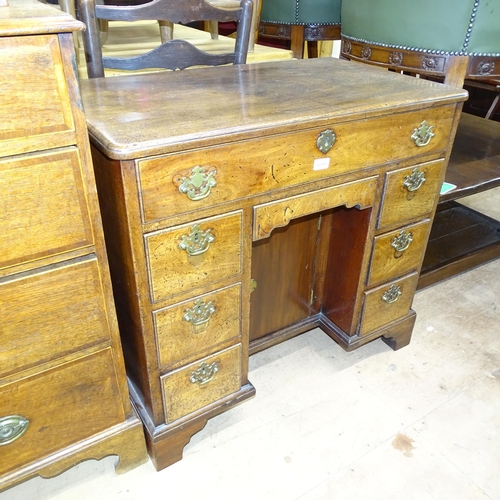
{"points": [[301, 21], [254, 30], [173, 53], [451, 41], [167, 27], [492, 85]]}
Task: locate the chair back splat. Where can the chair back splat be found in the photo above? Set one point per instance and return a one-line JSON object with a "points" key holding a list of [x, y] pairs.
{"points": [[172, 54]]}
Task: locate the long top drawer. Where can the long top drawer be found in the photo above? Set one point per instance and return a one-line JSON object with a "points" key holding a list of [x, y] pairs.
{"points": [[179, 183]]}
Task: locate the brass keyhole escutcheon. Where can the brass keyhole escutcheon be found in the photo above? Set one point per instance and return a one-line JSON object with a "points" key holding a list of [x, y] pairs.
{"points": [[326, 140]]}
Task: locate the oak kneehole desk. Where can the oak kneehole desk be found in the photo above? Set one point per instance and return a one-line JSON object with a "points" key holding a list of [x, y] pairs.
{"points": [[245, 205]]}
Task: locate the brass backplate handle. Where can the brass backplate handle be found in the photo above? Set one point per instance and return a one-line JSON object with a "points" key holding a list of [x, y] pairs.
{"points": [[200, 313], [199, 185], [401, 242], [205, 373], [12, 427], [423, 134], [414, 181], [197, 241], [392, 295], [326, 140]]}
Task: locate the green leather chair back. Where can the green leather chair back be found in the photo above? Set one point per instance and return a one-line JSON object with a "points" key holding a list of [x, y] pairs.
{"points": [[455, 27], [454, 39], [301, 11]]}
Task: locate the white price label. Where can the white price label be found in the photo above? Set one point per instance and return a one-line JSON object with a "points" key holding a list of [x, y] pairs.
{"points": [[321, 164]]}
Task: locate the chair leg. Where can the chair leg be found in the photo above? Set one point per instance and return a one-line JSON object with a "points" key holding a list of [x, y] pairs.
{"points": [[166, 30], [254, 30], [493, 108], [213, 28], [68, 6], [103, 29], [297, 41], [312, 49]]}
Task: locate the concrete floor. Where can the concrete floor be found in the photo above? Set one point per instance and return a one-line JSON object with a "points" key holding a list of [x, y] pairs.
{"points": [[420, 423]]}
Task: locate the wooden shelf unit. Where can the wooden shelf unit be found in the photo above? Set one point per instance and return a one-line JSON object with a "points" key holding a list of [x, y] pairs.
{"points": [[462, 238]]}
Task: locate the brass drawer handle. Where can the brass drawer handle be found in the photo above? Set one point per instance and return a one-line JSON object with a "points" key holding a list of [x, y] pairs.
{"points": [[422, 135], [205, 373], [326, 140], [199, 185], [401, 242], [392, 295], [197, 241], [12, 428], [199, 314], [414, 181]]}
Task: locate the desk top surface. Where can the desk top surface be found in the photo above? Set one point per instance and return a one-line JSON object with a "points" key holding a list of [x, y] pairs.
{"points": [[31, 17], [142, 115]]}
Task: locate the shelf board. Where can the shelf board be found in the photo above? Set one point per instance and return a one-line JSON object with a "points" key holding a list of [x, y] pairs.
{"points": [[475, 158], [460, 239]]}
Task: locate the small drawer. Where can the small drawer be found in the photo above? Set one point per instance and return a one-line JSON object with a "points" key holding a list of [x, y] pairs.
{"points": [[398, 253], [387, 303], [36, 107], [279, 213], [179, 183], [410, 193], [43, 207], [194, 254], [50, 314], [57, 408], [201, 383], [198, 325]]}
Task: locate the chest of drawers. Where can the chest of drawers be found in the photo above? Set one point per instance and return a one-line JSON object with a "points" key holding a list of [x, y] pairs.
{"points": [[63, 390], [245, 205]]}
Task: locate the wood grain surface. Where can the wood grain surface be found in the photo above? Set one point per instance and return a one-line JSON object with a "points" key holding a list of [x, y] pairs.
{"points": [[126, 115]]}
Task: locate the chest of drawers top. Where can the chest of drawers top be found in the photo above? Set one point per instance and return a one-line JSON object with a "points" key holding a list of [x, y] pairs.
{"points": [[31, 17], [139, 116]]}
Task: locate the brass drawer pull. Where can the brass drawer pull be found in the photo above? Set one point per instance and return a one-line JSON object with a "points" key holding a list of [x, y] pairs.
{"points": [[12, 428], [205, 373], [200, 313], [326, 140], [401, 242], [199, 185], [197, 242], [414, 181], [422, 135], [391, 295]]}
